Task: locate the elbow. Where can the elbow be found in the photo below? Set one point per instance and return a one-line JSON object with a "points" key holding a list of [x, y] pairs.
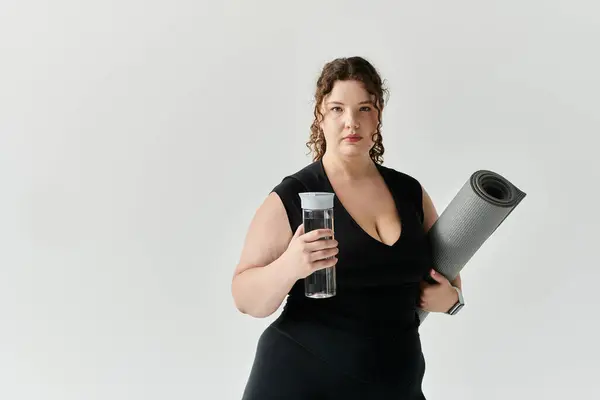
{"points": [[253, 313], [243, 306], [238, 303], [257, 314]]}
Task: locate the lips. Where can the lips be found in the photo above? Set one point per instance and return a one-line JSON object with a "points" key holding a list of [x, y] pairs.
{"points": [[353, 138]]}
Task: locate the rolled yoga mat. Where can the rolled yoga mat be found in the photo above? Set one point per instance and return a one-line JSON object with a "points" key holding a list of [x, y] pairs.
{"points": [[472, 216]]}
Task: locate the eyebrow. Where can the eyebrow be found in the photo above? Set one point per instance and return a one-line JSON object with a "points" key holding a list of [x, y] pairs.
{"points": [[362, 102]]}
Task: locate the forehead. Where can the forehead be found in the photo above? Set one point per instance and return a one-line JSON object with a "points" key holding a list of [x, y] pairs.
{"points": [[349, 92]]}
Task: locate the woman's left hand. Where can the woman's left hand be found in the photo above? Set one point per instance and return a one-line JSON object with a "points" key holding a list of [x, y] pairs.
{"points": [[437, 297]]}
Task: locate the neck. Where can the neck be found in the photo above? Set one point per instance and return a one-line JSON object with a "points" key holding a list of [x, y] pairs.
{"points": [[348, 167]]}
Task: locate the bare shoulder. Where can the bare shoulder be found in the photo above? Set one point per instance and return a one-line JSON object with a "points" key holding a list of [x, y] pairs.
{"points": [[267, 236]]}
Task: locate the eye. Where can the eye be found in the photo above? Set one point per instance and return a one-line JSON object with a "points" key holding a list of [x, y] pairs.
{"points": [[366, 108], [336, 109]]}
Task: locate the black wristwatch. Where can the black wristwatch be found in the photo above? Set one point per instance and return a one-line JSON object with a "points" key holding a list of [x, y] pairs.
{"points": [[458, 305]]}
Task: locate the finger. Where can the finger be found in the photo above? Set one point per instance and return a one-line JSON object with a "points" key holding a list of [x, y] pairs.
{"points": [[437, 276], [321, 245], [321, 254], [299, 231], [321, 264], [318, 234]]}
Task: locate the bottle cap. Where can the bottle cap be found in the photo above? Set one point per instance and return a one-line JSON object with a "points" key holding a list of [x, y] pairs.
{"points": [[316, 200]]}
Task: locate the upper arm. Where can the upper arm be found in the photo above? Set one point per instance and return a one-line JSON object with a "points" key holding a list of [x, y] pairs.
{"points": [[430, 214], [268, 235]]}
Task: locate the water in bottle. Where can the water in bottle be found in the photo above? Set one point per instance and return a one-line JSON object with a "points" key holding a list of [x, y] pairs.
{"points": [[317, 213]]}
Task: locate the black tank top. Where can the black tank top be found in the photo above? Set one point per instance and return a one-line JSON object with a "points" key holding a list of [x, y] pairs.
{"points": [[375, 307]]}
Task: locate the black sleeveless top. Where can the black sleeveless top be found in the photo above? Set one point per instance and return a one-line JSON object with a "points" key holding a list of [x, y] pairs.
{"points": [[375, 307]]}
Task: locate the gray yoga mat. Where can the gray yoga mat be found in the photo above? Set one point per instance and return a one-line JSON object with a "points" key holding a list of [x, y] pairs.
{"points": [[478, 209]]}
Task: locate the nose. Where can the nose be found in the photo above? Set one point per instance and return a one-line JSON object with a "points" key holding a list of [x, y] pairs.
{"points": [[351, 122]]}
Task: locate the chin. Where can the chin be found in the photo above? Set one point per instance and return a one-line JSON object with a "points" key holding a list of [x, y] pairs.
{"points": [[354, 151]]}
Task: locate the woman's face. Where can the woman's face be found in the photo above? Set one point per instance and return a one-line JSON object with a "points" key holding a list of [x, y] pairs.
{"points": [[349, 119]]}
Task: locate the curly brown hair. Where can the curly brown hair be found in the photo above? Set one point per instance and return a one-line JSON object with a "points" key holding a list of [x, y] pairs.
{"points": [[347, 68]]}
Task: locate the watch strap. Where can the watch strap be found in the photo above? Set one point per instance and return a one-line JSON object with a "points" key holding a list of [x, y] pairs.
{"points": [[458, 305]]}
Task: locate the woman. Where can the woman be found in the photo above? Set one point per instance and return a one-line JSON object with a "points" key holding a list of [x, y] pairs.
{"points": [[362, 343]]}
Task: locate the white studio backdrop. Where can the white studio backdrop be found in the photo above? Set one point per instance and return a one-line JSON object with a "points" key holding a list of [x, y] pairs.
{"points": [[138, 138]]}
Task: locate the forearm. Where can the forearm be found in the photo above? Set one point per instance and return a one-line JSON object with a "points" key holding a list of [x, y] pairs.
{"points": [[259, 291]]}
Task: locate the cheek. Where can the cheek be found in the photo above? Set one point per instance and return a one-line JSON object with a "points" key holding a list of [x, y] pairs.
{"points": [[333, 125], [369, 124], [372, 120]]}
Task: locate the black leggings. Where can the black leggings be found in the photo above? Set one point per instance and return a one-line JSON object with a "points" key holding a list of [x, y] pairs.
{"points": [[284, 369]]}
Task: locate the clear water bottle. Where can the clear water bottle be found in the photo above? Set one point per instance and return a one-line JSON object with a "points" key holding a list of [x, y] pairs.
{"points": [[317, 213]]}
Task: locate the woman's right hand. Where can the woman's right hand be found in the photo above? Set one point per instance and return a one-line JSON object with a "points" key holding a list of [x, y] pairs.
{"points": [[308, 252]]}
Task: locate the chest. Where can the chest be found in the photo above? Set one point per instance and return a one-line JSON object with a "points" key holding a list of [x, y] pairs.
{"points": [[379, 234], [372, 208]]}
